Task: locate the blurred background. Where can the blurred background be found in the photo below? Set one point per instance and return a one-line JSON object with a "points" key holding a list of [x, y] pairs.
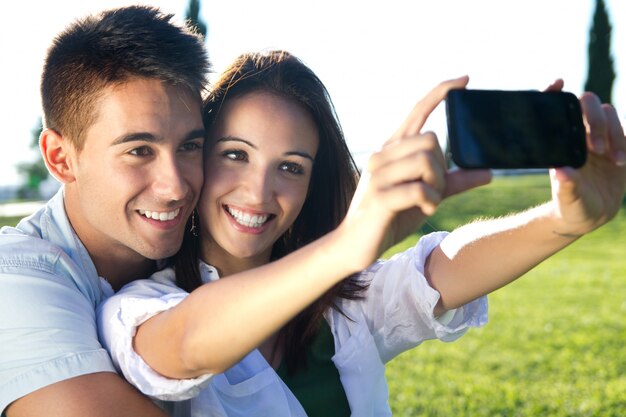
{"points": [[554, 345], [376, 58]]}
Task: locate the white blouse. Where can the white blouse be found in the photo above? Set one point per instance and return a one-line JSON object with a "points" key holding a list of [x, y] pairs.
{"points": [[396, 315]]}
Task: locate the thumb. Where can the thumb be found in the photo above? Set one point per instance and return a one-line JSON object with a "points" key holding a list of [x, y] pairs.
{"points": [[460, 180], [563, 184]]}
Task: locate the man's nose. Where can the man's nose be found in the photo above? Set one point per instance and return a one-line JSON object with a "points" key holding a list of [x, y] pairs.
{"points": [[169, 183]]}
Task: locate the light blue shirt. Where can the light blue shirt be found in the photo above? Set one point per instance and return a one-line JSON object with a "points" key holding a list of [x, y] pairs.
{"points": [[49, 290]]}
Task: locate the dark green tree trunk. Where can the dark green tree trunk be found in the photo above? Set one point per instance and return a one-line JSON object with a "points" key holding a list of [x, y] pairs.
{"points": [[193, 17], [600, 74], [35, 172]]}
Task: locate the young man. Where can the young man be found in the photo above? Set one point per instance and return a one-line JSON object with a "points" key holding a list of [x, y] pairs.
{"points": [[123, 132]]}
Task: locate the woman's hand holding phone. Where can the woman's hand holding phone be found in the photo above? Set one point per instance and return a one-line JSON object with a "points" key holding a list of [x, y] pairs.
{"points": [[405, 181]]}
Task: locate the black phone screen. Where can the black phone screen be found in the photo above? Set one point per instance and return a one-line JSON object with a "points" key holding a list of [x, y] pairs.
{"points": [[515, 129]]}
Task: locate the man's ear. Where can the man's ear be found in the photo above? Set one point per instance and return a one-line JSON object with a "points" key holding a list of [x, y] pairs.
{"points": [[57, 153]]}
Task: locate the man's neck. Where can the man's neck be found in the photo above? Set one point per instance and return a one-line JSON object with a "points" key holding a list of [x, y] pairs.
{"points": [[114, 261], [119, 272]]}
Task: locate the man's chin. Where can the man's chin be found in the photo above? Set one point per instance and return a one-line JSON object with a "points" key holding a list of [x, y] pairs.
{"points": [[159, 252]]}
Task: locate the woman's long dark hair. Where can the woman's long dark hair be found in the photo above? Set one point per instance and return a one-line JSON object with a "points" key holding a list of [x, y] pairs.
{"points": [[333, 181]]}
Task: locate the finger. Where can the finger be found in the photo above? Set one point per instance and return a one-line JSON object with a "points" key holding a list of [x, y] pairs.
{"points": [[458, 181], [391, 152], [422, 166], [617, 141], [595, 123], [410, 195], [557, 85], [415, 121]]}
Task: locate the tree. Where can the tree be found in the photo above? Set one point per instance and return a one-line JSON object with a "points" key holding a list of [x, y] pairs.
{"points": [[193, 17], [34, 172], [600, 74]]}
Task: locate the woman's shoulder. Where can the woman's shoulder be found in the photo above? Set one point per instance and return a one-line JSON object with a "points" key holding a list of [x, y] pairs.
{"points": [[159, 282]]}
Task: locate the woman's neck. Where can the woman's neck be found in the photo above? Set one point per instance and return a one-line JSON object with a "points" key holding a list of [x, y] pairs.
{"points": [[227, 264]]}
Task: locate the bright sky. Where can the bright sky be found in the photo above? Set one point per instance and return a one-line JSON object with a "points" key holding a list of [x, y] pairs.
{"points": [[377, 58]]}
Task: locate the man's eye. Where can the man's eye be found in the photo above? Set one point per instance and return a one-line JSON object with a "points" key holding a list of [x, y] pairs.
{"points": [[141, 151], [192, 146]]}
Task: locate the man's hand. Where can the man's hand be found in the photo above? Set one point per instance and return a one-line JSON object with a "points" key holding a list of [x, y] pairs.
{"points": [[103, 394]]}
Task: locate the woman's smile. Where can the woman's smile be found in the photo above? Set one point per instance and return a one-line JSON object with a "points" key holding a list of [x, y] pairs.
{"points": [[247, 219]]}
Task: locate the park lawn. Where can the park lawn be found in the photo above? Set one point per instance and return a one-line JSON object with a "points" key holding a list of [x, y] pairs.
{"points": [[9, 221], [554, 344]]}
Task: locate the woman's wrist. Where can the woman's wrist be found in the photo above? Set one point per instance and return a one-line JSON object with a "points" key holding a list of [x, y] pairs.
{"points": [[559, 226]]}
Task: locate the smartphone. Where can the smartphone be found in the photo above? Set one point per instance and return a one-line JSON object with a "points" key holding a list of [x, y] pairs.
{"points": [[499, 129]]}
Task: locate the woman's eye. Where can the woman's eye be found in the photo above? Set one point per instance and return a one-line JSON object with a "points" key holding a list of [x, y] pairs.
{"points": [[292, 168], [141, 151], [235, 155]]}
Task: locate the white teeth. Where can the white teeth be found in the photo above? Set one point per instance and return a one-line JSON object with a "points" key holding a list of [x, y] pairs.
{"points": [[245, 219], [161, 216]]}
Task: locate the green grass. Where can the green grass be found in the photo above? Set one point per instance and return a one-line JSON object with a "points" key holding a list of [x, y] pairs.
{"points": [[555, 344], [9, 221], [555, 341]]}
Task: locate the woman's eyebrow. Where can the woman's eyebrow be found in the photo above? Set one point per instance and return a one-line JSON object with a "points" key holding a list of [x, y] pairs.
{"points": [[236, 139], [301, 154]]}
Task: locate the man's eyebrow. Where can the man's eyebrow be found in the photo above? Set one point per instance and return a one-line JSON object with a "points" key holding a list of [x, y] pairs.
{"points": [[195, 134], [235, 139], [149, 137], [137, 137]]}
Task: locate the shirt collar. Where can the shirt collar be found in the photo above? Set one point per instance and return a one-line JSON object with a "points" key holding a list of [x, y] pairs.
{"points": [[208, 273]]}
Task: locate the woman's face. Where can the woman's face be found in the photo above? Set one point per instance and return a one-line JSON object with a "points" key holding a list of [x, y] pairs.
{"points": [[257, 176]]}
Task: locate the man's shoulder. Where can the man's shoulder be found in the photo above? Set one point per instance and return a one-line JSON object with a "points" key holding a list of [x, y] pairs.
{"points": [[44, 242], [43, 216], [28, 262], [24, 251], [29, 239]]}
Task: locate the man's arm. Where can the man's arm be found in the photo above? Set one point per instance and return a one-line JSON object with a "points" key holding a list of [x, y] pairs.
{"points": [[94, 395], [51, 362]]}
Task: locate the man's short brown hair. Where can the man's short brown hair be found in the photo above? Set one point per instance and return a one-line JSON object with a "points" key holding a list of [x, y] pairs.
{"points": [[111, 48]]}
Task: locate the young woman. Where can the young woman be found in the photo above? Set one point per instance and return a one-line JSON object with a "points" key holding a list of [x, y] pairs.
{"points": [[309, 334]]}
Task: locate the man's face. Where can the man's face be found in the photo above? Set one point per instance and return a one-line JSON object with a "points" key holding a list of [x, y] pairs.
{"points": [[139, 174]]}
